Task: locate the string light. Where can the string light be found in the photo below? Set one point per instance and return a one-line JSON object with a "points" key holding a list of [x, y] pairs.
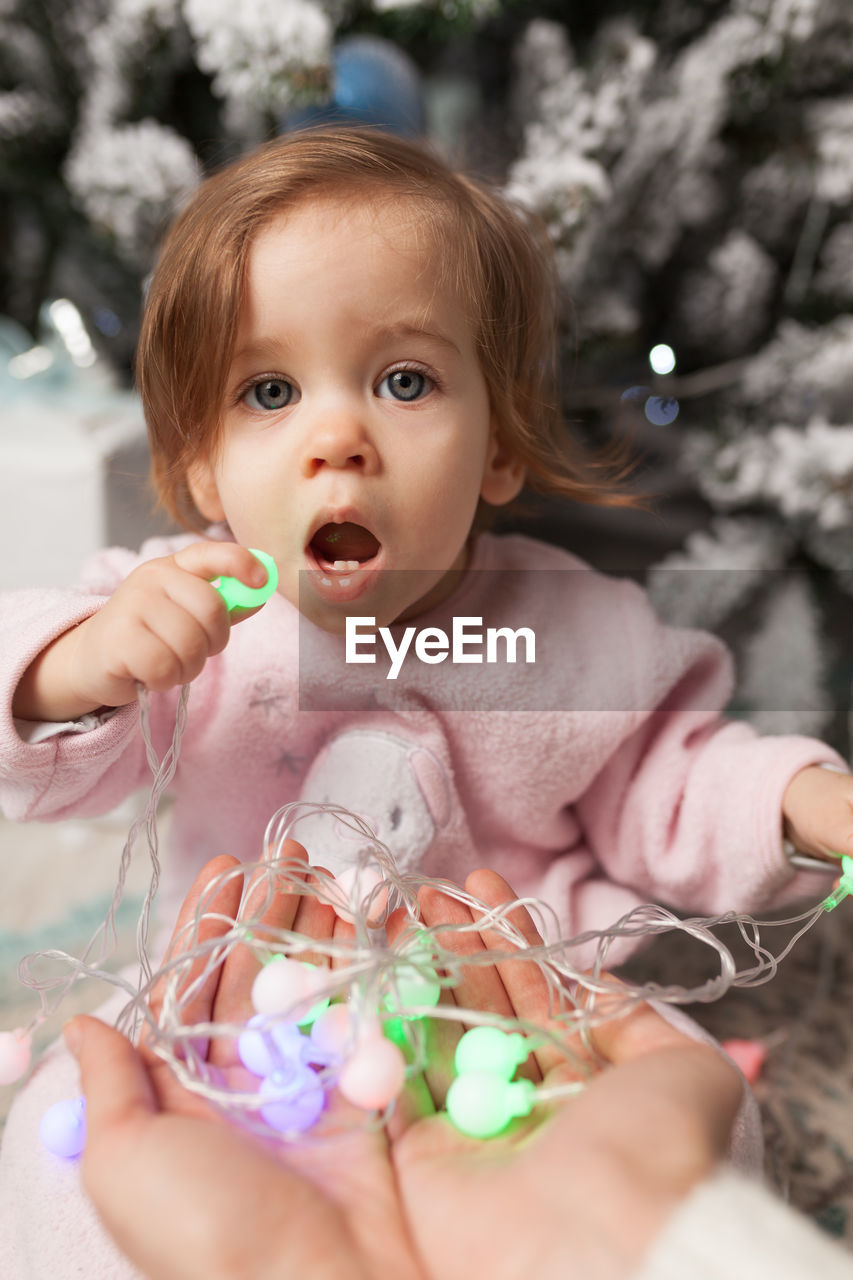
{"points": [[352, 1022]]}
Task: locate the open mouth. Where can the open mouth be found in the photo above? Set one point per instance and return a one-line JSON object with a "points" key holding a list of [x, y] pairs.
{"points": [[342, 548]]}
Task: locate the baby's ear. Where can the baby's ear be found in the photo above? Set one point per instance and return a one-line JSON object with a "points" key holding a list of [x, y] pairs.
{"points": [[201, 481], [503, 473]]}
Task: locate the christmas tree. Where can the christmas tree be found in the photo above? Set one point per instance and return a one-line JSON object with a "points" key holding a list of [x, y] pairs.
{"points": [[112, 110], [694, 163]]}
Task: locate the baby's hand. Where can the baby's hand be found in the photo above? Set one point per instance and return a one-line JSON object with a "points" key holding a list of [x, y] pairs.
{"points": [[817, 808], [158, 629]]}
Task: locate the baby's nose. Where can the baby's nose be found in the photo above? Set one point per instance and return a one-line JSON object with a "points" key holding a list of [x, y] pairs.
{"points": [[340, 439]]}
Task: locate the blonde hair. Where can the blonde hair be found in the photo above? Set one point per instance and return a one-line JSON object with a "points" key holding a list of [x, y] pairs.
{"points": [[496, 257]]}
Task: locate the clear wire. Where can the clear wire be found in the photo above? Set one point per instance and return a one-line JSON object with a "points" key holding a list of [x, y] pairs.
{"points": [[365, 970]]}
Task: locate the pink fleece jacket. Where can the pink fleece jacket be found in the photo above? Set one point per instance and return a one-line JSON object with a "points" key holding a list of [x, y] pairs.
{"points": [[597, 777]]}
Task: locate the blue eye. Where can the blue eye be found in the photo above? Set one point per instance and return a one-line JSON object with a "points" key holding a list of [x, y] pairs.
{"points": [[404, 384], [272, 393]]}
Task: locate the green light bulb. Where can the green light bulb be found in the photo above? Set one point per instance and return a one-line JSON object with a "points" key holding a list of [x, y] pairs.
{"points": [[238, 596], [394, 1030], [492, 1050], [481, 1104], [844, 887], [413, 986]]}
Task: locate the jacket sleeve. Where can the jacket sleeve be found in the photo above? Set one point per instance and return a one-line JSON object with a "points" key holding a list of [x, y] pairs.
{"points": [[730, 1226], [688, 810], [69, 772]]}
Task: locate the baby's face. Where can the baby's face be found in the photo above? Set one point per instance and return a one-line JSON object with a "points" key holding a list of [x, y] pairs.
{"points": [[357, 433]]}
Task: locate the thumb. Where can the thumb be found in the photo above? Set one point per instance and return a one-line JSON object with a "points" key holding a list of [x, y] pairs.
{"points": [[244, 577], [113, 1078], [238, 596]]}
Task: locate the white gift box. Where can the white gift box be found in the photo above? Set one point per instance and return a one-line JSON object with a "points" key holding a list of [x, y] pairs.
{"points": [[73, 479]]}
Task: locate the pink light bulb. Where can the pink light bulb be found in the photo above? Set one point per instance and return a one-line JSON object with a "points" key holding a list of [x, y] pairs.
{"points": [[374, 1074], [14, 1055], [289, 988], [278, 987], [333, 1031], [352, 888]]}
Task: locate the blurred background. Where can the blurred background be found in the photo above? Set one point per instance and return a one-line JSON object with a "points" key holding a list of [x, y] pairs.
{"points": [[693, 160]]}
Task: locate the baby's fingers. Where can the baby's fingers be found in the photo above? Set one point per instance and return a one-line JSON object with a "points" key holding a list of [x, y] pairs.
{"points": [[170, 646], [243, 582], [818, 811]]}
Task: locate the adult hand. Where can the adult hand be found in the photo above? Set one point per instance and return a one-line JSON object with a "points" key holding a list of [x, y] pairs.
{"points": [[585, 1188], [185, 1193]]}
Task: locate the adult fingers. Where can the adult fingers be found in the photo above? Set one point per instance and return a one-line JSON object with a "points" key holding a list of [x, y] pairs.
{"points": [[208, 912], [279, 900], [624, 1036], [113, 1077], [684, 1090], [478, 987], [316, 918], [531, 996]]}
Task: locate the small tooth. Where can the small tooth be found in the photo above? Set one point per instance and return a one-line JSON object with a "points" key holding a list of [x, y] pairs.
{"points": [[340, 564]]}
